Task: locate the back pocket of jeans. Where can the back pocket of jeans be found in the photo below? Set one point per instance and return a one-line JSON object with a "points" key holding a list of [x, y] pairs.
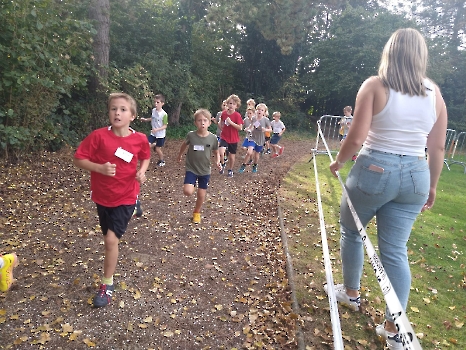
{"points": [[421, 181], [372, 182]]}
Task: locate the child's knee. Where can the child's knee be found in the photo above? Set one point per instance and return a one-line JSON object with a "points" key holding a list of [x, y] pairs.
{"points": [[188, 189], [110, 240]]}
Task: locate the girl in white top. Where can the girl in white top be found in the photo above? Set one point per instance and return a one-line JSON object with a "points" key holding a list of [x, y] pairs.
{"points": [[397, 114]]}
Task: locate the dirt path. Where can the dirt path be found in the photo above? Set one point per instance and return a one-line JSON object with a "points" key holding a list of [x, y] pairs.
{"points": [[218, 285]]}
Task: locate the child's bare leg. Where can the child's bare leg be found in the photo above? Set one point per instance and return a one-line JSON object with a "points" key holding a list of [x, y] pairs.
{"points": [[201, 194], [159, 152], [111, 253], [231, 160], [221, 151], [249, 155], [256, 157]]}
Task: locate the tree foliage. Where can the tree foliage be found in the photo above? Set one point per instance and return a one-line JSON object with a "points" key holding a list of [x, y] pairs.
{"points": [[296, 56], [337, 65], [45, 54]]}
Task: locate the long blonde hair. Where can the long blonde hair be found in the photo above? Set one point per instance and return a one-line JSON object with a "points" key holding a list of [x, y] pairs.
{"points": [[404, 62]]}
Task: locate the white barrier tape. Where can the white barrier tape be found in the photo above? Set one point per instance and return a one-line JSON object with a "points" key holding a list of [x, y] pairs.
{"points": [[405, 330], [332, 299]]}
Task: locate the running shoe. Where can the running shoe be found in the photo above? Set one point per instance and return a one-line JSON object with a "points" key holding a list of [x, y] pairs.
{"points": [[196, 218], [230, 173], [242, 169], [275, 155], [392, 339], [280, 152], [104, 295], [254, 168], [10, 261], [344, 299]]}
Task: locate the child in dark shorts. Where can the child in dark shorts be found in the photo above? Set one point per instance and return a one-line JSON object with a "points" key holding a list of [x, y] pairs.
{"points": [[112, 154], [278, 128], [200, 144]]}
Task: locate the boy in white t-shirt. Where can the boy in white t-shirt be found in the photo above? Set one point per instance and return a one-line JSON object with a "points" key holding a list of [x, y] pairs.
{"points": [[159, 121], [278, 128]]}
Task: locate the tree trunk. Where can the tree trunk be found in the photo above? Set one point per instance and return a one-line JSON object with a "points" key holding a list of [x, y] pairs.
{"points": [[174, 118], [99, 13]]}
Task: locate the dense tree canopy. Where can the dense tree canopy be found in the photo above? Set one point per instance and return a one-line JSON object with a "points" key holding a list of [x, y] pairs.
{"points": [[298, 57]]}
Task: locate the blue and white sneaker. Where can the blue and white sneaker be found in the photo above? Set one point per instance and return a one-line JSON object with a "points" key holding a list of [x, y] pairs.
{"points": [[344, 299], [392, 339]]}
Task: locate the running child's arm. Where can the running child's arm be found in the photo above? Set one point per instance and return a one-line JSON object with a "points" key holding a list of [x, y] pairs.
{"points": [[183, 147], [141, 173], [283, 130], [217, 159], [233, 124], [269, 129], [108, 168], [164, 126]]}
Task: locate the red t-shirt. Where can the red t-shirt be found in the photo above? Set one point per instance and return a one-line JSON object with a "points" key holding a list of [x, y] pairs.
{"points": [[100, 147], [229, 133]]}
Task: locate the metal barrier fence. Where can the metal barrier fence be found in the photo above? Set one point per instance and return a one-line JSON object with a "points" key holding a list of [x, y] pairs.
{"points": [[330, 127], [449, 145], [457, 151]]}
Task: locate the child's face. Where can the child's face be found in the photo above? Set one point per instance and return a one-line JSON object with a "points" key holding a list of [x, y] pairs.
{"points": [[119, 113], [232, 105], [250, 113], [251, 104], [276, 117], [158, 104], [260, 111], [201, 122]]}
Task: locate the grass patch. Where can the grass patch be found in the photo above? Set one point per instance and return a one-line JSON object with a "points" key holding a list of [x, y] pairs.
{"points": [[436, 250]]}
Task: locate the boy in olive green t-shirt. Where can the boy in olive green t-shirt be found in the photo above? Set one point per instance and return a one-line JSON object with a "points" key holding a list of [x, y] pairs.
{"points": [[200, 144]]}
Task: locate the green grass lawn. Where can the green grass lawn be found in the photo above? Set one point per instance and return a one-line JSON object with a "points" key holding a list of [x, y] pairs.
{"points": [[437, 307]]}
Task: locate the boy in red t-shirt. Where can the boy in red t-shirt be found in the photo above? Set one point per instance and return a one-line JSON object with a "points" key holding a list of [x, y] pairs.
{"points": [[112, 154], [230, 123]]}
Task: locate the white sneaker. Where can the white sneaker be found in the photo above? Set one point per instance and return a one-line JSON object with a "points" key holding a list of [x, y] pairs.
{"points": [[345, 299], [392, 339]]}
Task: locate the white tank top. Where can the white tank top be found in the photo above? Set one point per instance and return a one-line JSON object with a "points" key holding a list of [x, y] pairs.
{"points": [[404, 123]]}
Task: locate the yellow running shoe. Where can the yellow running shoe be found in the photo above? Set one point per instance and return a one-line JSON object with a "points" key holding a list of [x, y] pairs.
{"points": [[197, 218], [10, 261]]}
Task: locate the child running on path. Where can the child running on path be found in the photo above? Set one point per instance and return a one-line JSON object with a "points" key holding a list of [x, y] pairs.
{"points": [[231, 123], [111, 154], [200, 144], [246, 123], [260, 124], [159, 121], [278, 129], [7, 263]]}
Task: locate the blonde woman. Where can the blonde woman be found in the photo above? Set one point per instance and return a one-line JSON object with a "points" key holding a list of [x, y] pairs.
{"points": [[396, 114]]}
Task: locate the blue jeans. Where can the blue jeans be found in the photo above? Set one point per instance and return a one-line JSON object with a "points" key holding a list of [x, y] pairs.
{"points": [[393, 188]]}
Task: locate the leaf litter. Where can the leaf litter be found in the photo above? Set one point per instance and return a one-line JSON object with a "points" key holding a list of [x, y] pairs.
{"points": [[221, 284]]}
